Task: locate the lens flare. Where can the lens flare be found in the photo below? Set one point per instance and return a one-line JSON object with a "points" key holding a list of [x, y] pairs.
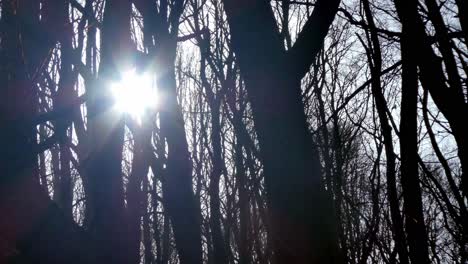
{"points": [[134, 94]]}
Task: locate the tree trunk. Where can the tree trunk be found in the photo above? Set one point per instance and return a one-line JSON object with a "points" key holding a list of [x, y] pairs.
{"points": [[105, 143], [448, 98], [214, 100], [244, 212], [177, 186], [375, 61], [147, 238], [135, 196], [56, 20], [412, 207], [179, 200], [301, 213]]}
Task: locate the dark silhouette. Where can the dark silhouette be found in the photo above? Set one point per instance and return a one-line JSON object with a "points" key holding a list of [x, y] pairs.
{"points": [[253, 131]]}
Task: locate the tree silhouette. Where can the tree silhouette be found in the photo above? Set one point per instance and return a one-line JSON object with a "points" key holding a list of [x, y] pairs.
{"points": [[279, 131]]}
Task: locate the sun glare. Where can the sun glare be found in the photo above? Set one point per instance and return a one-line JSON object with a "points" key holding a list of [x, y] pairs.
{"points": [[134, 94]]}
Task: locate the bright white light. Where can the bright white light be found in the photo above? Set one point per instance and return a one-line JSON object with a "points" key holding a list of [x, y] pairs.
{"points": [[134, 94]]}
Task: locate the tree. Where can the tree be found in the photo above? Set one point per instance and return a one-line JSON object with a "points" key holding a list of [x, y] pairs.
{"points": [[303, 225], [264, 131]]}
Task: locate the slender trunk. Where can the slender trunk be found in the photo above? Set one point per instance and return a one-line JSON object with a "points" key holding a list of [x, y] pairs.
{"points": [[460, 218], [325, 140], [166, 251], [78, 119], [244, 213], [219, 250], [214, 100], [375, 60], [371, 236], [59, 21], [147, 239], [66, 188], [55, 167], [245, 244], [463, 17], [157, 234], [42, 161], [449, 99], [338, 179], [135, 196]]}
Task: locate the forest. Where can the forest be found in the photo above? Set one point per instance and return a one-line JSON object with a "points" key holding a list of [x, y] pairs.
{"points": [[234, 131]]}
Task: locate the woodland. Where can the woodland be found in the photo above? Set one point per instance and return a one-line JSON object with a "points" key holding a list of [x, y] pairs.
{"points": [[234, 131]]}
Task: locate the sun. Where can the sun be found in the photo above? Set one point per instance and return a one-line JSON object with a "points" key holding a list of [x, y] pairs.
{"points": [[134, 94]]}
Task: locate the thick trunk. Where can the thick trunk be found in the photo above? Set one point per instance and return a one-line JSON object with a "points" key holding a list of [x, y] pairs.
{"points": [[413, 206], [106, 132], [180, 201], [303, 226]]}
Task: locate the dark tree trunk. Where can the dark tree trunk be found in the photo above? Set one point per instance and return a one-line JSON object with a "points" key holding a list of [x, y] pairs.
{"points": [[166, 250], [463, 17], [219, 250], [214, 101], [177, 186], [179, 200], [412, 207], [148, 256], [106, 132], [56, 20], [338, 178], [244, 213], [245, 237], [135, 196], [42, 161], [375, 62], [303, 226], [449, 99]]}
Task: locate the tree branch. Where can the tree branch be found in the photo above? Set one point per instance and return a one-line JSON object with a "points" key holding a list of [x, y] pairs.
{"points": [[310, 40]]}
